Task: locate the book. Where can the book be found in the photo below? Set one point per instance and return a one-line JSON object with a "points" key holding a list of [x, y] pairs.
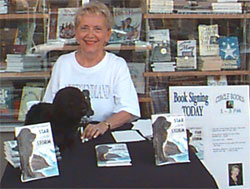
{"points": [[37, 151], [186, 55], [208, 63], [216, 80], [127, 25], [196, 141], [29, 94], [65, 25], [160, 40], [11, 153], [136, 72], [163, 66], [227, 7], [169, 139], [229, 50], [116, 154], [160, 99], [208, 39], [6, 100], [161, 6]]}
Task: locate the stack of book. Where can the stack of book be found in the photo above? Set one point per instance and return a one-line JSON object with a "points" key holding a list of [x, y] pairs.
{"points": [[163, 66], [23, 62], [194, 7], [209, 63], [186, 55], [11, 153], [3, 7], [227, 6], [161, 6]]}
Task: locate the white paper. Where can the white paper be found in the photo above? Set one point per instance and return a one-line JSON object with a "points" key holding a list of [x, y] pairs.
{"points": [[127, 136], [221, 113], [144, 126]]}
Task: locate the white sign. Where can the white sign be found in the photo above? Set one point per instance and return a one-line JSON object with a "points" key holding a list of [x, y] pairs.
{"points": [[218, 118]]}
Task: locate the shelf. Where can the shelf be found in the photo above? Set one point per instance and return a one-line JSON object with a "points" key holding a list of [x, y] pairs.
{"points": [[195, 73], [22, 16], [61, 47], [25, 75], [196, 16]]}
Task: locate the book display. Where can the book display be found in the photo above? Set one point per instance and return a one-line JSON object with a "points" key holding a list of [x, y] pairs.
{"points": [[188, 59]]}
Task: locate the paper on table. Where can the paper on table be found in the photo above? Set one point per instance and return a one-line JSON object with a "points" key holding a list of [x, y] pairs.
{"points": [[127, 136], [144, 126]]}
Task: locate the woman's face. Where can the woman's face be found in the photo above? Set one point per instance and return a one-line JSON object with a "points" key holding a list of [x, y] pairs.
{"points": [[92, 33], [235, 171]]}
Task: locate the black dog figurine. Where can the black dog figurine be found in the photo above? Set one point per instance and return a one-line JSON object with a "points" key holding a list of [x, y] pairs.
{"points": [[69, 106]]}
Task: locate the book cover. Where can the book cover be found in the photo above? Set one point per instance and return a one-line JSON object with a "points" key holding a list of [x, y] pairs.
{"points": [[37, 151], [196, 141], [127, 25], [116, 154], [136, 72], [160, 99], [229, 49], [161, 50], [216, 80], [29, 94], [65, 25], [208, 40], [169, 139], [6, 100], [11, 153]]}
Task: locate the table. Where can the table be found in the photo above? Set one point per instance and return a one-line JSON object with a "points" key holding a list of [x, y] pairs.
{"points": [[78, 169]]}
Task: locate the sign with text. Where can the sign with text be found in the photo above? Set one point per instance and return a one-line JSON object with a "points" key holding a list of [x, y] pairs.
{"points": [[218, 119]]}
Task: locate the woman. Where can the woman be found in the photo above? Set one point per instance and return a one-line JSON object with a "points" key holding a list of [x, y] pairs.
{"points": [[113, 96], [235, 178]]}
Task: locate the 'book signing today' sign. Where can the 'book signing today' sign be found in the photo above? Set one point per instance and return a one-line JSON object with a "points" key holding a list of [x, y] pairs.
{"points": [[218, 119]]}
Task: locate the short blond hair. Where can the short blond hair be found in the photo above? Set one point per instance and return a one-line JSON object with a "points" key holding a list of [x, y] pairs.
{"points": [[94, 7]]}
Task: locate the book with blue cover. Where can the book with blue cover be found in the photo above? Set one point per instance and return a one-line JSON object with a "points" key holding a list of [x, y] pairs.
{"points": [[229, 49], [115, 154]]}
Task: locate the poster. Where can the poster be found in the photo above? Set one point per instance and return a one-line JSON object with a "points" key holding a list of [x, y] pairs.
{"points": [[220, 114]]}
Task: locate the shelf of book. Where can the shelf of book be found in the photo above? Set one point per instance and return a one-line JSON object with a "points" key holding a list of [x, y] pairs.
{"points": [[196, 73], [197, 16], [22, 16]]}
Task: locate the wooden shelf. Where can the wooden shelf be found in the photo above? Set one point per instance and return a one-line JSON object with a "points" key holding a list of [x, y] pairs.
{"points": [[22, 16], [196, 16], [196, 73], [25, 75]]}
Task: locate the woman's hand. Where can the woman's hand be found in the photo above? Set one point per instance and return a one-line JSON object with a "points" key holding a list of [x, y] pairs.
{"points": [[94, 130]]}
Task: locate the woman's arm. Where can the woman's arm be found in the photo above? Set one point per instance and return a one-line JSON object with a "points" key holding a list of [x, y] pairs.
{"points": [[114, 121]]}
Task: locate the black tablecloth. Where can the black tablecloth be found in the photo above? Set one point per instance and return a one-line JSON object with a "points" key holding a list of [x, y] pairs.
{"points": [[78, 169]]}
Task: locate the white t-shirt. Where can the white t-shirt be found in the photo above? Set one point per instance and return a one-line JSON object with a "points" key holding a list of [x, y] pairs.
{"points": [[109, 83]]}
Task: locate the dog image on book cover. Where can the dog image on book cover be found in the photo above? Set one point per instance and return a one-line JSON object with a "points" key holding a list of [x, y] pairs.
{"points": [[37, 151], [169, 139]]}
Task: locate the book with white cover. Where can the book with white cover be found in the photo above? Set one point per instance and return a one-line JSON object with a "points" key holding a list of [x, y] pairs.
{"points": [[208, 39], [65, 25], [37, 151], [169, 139]]}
